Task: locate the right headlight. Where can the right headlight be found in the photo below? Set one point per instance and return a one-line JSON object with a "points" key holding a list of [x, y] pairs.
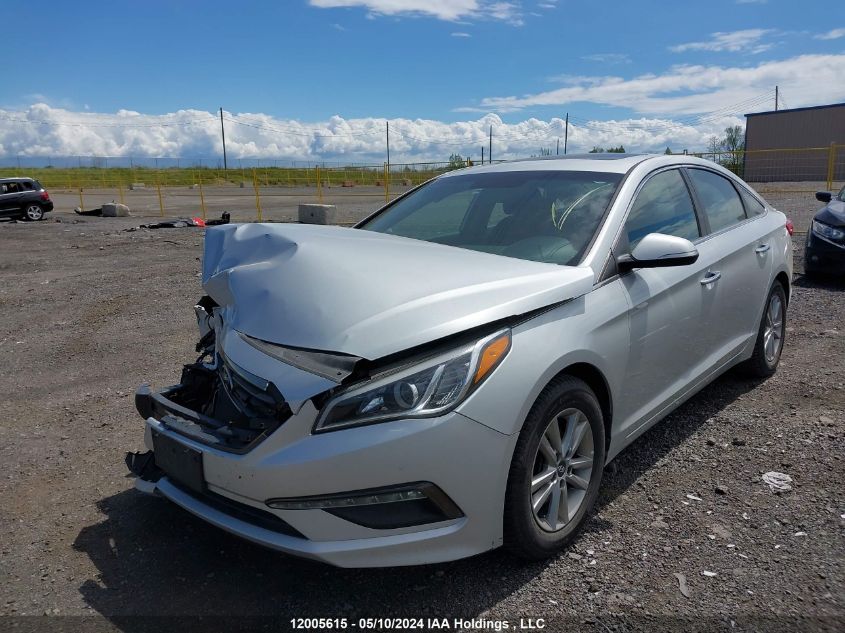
{"points": [[426, 389], [828, 232]]}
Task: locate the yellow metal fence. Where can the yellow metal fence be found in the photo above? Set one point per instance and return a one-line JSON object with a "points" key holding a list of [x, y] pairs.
{"points": [[202, 189]]}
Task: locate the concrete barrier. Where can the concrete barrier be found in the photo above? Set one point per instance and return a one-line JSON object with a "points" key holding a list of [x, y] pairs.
{"points": [[317, 213], [115, 210]]}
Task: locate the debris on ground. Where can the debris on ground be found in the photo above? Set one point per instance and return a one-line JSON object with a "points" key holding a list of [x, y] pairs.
{"points": [[682, 585], [179, 223], [778, 482], [709, 574], [109, 210]]}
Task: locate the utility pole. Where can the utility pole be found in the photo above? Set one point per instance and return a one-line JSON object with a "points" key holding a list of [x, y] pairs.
{"points": [[482, 154], [223, 135], [566, 134], [387, 132], [490, 148], [557, 150], [776, 98]]}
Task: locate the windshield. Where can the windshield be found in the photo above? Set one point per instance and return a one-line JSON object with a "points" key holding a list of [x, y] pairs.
{"points": [[544, 216]]}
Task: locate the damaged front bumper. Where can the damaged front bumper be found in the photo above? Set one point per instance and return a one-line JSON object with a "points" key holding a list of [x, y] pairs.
{"points": [[398, 493]]}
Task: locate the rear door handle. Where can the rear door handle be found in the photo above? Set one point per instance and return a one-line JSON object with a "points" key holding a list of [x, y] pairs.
{"points": [[763, 248], [710, 277]]}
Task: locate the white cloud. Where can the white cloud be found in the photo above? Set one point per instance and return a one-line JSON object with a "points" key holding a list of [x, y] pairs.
{"points": [[833, 34], [672, 111], [806, 80], [746, 40], [196, 134], [461, 34], [608, 58], [450, 10]]}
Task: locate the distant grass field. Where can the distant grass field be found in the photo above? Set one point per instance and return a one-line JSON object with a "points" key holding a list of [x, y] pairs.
{"points": [[116, 177]]}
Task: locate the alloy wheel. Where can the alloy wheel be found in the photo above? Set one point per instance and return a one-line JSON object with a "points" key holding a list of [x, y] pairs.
{"points": [[34, 212], [773, 331], [562, 469]]}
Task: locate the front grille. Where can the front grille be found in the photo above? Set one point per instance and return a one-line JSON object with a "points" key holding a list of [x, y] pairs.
{"points": [[250, 394], [226, 407]]}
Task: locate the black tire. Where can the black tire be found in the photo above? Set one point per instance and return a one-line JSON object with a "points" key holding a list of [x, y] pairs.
{"points": [[33, 212], [523, 534], [761, 365]]}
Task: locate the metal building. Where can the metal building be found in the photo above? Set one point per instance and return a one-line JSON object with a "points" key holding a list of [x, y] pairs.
{"points": [[795, 145]]}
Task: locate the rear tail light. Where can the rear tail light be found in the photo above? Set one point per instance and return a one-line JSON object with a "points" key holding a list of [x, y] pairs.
{"points": [[790, 228], [45, 195]]}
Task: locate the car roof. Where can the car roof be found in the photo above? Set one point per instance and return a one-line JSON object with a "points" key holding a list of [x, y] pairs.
{"points": [[614, 163], [17, 179], [608, 163]]}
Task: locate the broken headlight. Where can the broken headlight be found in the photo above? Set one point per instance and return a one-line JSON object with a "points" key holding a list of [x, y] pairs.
{"points": [[426, 389]]}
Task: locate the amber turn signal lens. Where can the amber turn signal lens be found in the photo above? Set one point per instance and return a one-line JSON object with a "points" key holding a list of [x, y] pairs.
{"points": [[492, 355]]}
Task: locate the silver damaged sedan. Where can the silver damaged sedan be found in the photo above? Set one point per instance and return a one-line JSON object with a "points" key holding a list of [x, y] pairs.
{"points": [[454, 373]]}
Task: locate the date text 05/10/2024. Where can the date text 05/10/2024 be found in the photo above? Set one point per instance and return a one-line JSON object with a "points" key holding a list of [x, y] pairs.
{"points": [[419, 624]]}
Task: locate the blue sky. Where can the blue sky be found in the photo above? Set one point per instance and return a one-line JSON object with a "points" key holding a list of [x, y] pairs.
{"points": [[301, 62]]}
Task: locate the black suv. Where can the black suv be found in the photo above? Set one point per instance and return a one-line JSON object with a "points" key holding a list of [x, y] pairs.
{"points": [[23, 198]]}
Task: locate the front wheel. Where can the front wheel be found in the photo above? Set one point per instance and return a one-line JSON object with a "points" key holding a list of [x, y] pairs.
{"points": [[33, 212], [556, 469], [770, 336]]}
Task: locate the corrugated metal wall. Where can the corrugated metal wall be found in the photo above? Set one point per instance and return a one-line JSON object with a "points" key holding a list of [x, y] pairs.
{"points": [[800, 138]]}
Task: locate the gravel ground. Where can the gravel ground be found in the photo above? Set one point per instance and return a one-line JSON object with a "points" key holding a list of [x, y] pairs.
{"points": [[796, 199], [90, 311]]}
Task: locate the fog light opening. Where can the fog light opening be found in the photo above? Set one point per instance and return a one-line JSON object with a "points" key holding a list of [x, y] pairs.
{"points": [[381, 508]]}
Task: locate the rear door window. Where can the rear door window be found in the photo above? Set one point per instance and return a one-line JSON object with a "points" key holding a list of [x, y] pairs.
{"points": [[719, 199], [663, 205]]}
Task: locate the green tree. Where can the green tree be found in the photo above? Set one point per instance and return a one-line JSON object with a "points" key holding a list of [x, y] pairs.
{"points": [[668, 151], [733, 144], [456, 161], [609, 150]]}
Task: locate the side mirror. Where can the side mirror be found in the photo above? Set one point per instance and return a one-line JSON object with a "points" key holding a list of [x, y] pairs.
{"points": [[657, 250], [824, 196]]}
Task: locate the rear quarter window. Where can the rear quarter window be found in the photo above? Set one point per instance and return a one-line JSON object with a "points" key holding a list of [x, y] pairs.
{"points": [[753, 207]]}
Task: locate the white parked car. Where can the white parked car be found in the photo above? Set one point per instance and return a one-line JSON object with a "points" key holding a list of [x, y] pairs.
{"points": [[454, 373]]}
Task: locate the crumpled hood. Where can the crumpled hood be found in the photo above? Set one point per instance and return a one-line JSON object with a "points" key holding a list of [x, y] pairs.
{"points": [[367, 294]]}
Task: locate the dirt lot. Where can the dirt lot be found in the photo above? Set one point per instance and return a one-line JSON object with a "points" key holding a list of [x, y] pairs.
{"points": [[278, 204], [89, 311], [796, 199]]}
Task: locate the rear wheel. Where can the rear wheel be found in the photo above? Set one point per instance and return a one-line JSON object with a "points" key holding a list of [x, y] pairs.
{"points": [[33, 212], [556, 470], [770, 336]]}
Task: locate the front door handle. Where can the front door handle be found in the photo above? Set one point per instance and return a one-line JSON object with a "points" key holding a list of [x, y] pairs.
{"points": [[710, 277], [763, 248]]}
